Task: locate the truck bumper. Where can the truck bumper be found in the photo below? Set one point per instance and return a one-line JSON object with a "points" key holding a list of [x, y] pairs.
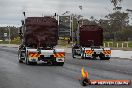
{"points": [[46, 59]]}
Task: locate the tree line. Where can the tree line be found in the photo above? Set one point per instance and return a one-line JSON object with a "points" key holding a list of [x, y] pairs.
{"points": [[116, 27], [4, 32]]}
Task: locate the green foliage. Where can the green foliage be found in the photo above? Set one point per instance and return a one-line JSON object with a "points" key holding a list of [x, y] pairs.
{"points": [[16, 41], [13, 35], [4, 42], [130, 44], [115, 2], [116, 27], [118, 18], [13, 32]]}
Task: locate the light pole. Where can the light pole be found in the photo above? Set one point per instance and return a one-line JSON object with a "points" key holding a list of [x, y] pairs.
{"points": [[24, 14], [71, 26], [81, 9]]}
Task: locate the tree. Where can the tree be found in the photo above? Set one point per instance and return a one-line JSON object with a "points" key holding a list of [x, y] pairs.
{"points": [[115, 26], [115, 2], [13, 32], [118, 20]]}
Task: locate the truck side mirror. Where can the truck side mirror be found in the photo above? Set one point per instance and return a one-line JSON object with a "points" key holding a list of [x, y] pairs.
{"points": [[22, 21], [20, 32]]}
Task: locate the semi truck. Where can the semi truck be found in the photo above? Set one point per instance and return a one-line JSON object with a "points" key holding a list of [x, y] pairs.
{"points": [[89, 43], [39, 36]]}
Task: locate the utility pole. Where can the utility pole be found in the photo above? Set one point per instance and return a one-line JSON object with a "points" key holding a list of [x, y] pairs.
{"points": [[81, 9], [77, 33], [24, 14], [72, 28], [24, 25], [9, 34], [57, 17]]}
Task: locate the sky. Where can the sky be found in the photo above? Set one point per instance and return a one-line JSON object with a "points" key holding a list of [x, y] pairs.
{"points": [[11, 10]]}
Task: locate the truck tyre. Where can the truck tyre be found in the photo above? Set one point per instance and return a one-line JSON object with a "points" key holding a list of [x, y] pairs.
{"points": [[73, 56], [28, 62], [107, 58], [34, 63], [94, 58], [89, 58], [60, 63], [20, 61], [83, 56], [102, 57], [19, 58], [73, 53]]}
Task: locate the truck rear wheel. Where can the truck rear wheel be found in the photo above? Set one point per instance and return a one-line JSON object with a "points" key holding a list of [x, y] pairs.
{"points": [[104, 58], [107, 58], [19, 58], [73, 53], [58, 63], [28, 62], [20, 61], [73, 56], [83, 56]]}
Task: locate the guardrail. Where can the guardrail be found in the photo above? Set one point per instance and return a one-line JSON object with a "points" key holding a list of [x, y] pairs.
{"points": [[116, 44]]}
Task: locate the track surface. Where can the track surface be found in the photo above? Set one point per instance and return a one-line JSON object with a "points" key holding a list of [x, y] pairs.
{"points": [[15, 75]]}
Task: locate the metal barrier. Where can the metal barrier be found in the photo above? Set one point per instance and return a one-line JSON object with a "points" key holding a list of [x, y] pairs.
{"points": [[112, 44]]}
